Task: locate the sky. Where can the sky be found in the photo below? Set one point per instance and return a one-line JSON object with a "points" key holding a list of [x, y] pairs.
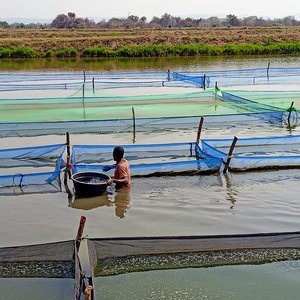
{"points": [[98, 9]]}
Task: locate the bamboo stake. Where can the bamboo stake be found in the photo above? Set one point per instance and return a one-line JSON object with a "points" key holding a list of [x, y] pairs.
{"points": [[169, 75], [68, 171], [230, 156], [199, 129], [83, 104], [133, 124], [290, 111]]}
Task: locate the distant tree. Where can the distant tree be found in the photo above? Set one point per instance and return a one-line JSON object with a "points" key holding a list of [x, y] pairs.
{"points": [[4, 24], [212, 22], [79, 23], [289, 21], [115, 22], [167, 20], [89, 23], [232, 20], [154, 22], [71, 15], [61, 21], [70, 20], [142, 22]]}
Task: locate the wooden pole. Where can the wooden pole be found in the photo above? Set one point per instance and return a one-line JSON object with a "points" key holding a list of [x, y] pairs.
{"points": [[133, 124], [68, 146], [268, 68], [83, 105], [230, 156], [199, 129], [84, 77], [204, 78], [93, 85], [68, 168], [80, 232], [216, 89], [290, 111]]}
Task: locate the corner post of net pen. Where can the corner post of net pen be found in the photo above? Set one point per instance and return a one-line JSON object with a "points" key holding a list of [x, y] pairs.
{"points": [[199, 129], [229, 155]]}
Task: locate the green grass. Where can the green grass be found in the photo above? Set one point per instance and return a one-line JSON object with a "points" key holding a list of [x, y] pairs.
{"points": [[158, 51]]}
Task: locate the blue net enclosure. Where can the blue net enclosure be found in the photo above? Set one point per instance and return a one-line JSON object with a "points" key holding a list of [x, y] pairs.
{"points": [[256, 153], [248, 77], [31, 165], [145, 160]]}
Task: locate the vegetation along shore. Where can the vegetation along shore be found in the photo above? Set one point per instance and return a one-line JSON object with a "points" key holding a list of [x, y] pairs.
{"points": [[148, 41]]}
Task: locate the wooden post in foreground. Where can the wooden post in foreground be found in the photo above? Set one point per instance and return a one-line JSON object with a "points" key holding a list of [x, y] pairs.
{"points": [[80, 232], [199, 129], [229, 155]]}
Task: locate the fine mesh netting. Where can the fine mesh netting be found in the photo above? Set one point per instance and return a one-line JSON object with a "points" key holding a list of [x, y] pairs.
{"points": [[42, 164], [234, 77], [30, 165], [114, 110], [150, 159], [161, 100], [113, 256], [256, 153]]}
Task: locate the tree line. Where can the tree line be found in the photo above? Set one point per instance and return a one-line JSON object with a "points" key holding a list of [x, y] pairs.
{"points": [[71, 21]]}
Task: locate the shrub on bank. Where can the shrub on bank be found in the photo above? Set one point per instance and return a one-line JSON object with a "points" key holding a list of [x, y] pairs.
{"points": [[66, 53], [17, 53]]}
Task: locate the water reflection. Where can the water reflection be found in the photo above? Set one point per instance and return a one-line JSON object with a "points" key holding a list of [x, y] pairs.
{"points": [[230, 192], [91, 202], [146, 64], [122, 200]]}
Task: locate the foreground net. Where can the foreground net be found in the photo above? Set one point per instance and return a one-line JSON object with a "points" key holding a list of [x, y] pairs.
{"points": [[111, 256]]}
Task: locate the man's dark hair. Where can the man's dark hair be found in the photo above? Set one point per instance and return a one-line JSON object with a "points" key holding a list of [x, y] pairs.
{"points": [[118, 152]]}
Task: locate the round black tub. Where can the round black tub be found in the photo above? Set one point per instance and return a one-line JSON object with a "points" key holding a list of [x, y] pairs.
{"points": [[89, 183]]}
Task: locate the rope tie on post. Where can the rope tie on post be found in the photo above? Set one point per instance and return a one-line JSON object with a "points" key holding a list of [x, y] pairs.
{"points": [[230, 154]]}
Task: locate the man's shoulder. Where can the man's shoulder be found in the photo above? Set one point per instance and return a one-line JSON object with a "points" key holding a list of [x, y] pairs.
{"points": [[123, 163]]}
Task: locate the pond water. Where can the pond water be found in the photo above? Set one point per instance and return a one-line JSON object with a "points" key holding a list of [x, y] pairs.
{"points": [[249, 202]]}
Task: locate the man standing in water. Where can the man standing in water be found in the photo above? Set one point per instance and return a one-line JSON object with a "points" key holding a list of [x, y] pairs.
{"points": [[122, 177]]}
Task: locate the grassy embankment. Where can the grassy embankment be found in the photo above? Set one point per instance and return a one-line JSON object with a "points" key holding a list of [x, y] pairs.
{"points": [[27, 43]]}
